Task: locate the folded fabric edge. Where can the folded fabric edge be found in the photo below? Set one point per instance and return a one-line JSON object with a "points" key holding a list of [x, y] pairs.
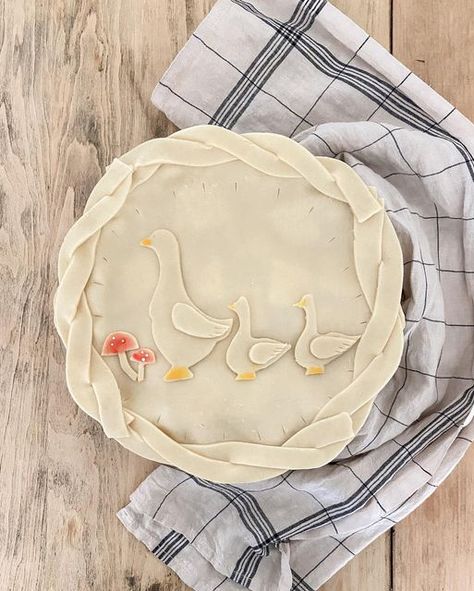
{"points": [[159, 488], [174, 550]]}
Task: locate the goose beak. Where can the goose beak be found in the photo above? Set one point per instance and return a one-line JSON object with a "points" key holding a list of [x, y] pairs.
{"points": [[146, 242], [231, 307], [300, 304]]}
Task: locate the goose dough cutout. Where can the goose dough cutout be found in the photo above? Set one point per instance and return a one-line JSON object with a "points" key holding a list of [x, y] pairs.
{"points": [[313, 350], [176, 230], [183, 333], [246, 354]]}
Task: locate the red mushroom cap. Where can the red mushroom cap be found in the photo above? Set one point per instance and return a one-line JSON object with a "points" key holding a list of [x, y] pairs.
{"points": [[145, 356], [119, 342]]}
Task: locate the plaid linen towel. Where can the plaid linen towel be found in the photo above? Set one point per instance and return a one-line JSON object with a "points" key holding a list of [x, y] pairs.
{"points": [[303, 69]]}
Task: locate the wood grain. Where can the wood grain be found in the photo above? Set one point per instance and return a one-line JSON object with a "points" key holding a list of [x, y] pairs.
{"points": [[434, 546], [374, 16], [75, 82], [435, 39]]}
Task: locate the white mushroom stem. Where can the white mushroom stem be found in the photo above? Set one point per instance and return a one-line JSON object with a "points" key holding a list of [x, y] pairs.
{"points": [[141, 372], [125, 365]]}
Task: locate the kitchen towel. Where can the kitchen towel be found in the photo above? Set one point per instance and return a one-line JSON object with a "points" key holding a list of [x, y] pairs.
{"points": [[302, 69]]}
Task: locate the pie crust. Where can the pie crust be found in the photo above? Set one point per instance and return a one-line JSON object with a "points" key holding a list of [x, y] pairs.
{"points": [[230, 218]]}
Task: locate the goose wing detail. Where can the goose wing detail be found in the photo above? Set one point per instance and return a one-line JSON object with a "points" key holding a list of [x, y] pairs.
{"points": [[193, 322], [266, 352], [331, 345]]}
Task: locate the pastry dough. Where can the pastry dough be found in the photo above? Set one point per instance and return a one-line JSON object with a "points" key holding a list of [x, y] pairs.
{"points": [[257, 217]]}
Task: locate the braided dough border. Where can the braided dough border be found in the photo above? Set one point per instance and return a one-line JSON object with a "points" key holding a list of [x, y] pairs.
{"points": [[379, 268]]}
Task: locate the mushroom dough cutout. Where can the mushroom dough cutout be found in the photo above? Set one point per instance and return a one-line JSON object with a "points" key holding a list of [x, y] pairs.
{"points": [[246, 354], [314, 350], [183, 333], [143, 357], [118, 344]]}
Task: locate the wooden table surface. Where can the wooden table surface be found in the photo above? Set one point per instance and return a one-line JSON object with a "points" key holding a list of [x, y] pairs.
{"points": [[75, 80]]}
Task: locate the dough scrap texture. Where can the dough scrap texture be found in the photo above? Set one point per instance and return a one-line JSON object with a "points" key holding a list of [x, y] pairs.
{"points": [[255, 215]]}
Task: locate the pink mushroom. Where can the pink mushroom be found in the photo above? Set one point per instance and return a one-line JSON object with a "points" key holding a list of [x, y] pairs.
{"points": [[118, 343], [143, 357]]}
